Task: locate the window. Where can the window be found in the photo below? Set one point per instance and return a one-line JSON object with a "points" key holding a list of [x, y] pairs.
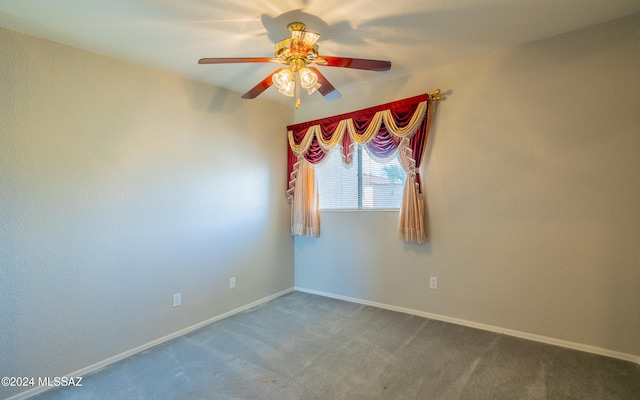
{"points": [[365, 184]]}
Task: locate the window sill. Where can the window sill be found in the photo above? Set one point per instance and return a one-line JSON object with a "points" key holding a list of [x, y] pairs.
{"points": [[341, 210]]}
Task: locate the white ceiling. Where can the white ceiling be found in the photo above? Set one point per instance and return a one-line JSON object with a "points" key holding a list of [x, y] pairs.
{"points": [[415, 35]]}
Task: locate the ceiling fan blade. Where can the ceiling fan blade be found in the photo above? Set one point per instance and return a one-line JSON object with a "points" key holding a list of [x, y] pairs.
{"points": [[236, 60], [261, 86], [326, 88], [357, 63]]}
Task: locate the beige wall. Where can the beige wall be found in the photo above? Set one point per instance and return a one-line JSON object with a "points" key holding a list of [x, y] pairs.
{"points": [[119, 186], [533, 195]]}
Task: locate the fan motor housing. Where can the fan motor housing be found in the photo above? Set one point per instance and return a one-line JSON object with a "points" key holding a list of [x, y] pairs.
{"points": [[283, 51]]}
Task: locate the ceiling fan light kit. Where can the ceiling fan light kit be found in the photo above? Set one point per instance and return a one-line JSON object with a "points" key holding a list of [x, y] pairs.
{"points": [[297, 53]]}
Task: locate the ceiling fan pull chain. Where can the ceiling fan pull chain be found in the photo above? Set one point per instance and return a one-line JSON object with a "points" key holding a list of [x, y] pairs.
{"points": [[297, 78]]}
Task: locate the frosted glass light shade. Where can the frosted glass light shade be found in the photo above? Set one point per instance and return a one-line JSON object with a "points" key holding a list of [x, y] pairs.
{"points": [[288, 89], [308, 78], [283, 79], [310, 38]]}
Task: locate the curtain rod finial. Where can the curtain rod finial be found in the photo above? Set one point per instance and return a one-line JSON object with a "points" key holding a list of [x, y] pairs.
{"points": [[435, 95]]}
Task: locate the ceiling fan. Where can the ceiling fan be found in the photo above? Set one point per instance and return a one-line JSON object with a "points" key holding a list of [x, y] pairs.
{"points": [[298, 52]]}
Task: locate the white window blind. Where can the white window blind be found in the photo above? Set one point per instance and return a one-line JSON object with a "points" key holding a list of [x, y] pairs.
{"points": [[365, 184]]}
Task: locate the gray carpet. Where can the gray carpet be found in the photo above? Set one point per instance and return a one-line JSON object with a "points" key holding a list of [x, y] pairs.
{"points": [[305, 347]]}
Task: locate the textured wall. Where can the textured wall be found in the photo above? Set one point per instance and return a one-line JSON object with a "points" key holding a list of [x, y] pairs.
{"points": [[119, 186], [532, 193]]}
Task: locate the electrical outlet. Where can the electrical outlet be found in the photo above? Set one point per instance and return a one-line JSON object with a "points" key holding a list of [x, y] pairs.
{"points": [[232, 283], [433, 282], [177, 299]]}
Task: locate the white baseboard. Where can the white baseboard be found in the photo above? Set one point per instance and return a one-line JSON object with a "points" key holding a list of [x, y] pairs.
{"points": [[128, 353], [490, 328]]}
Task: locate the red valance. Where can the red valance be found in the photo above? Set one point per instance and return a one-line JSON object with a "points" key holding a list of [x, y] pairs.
{"points": [[360, 113]]}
